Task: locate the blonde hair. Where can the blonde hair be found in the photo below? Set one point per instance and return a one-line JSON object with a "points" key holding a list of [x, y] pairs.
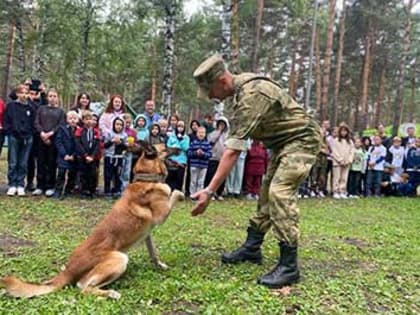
{"points": [[72, 113]]}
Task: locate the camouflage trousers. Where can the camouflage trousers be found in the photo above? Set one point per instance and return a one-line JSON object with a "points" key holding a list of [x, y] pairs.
{"points": [[277, 206]]}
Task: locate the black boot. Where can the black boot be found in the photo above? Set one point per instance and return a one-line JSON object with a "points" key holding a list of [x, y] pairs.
{"points": [[285, 272], [249, 251]]}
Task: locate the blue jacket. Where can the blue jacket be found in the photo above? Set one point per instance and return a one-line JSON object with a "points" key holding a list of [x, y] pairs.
{"points": [[199, 161], [182, 145], [413, 160], [66, 145]]}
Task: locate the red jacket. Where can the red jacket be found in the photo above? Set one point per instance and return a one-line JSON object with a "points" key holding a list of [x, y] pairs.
{"points": [[256, 159]]}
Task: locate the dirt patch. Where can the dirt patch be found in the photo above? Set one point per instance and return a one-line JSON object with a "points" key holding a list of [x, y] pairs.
{"points": [[9, 245], [359, 243], [183, 308]]}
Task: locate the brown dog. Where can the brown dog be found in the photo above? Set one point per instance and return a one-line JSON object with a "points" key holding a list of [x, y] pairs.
{"points": [[101, 258]]}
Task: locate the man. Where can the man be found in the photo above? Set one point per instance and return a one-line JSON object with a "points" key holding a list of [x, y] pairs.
{"points": [[380, 131], [149, 112], [263, 111], [410, 140]]}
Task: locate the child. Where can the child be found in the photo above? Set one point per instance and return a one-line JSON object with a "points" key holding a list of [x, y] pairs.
{"points": [[356, 168], [199, 154], [66, 156], [155, 135], [18, 126], [255, 167], [48, 119], [128, 155], [375, 167], [217, 140], [173, 121], [342, 151], [178, 145], [115, 144], [413, 164], [141, 126], [396, 156], [87, 146]]}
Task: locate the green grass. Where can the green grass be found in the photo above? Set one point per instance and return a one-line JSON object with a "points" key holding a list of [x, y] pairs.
{"points": [[356, 257]]}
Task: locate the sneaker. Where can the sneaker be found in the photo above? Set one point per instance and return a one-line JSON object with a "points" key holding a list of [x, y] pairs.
{"points": [[356, 196], [249, 197], [220, 198], [37, 192], [256, 197], [11, 191], [21, 191], [313, 194], [344, 196], [336, 196], [321, 194], [50, 192]]}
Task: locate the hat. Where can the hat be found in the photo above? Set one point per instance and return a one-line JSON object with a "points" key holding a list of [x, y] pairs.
{"points": [[35, 85], [206, 73]]}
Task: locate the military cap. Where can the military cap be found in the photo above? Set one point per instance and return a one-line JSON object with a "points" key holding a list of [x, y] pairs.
{"points": [[206, 73]]}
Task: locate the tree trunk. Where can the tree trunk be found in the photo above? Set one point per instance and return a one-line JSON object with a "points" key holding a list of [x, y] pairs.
{"points": [[235, 37], [260, 10], [381, 94], [168, 72], [318, 75], [335, 108], [85, 32], [226, 29], [154, 72], [362, 119], [9, 59], [20, 43], [327, 60], [411, 112], [400, 89], [292, 77], [270, 62]]}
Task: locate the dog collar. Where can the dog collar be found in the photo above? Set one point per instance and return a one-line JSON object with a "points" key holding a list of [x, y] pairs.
{"points": [[151, 178]]}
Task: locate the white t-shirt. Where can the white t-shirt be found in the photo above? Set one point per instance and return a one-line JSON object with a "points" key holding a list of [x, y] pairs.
{"points": [[375, 153], [397, 157]]}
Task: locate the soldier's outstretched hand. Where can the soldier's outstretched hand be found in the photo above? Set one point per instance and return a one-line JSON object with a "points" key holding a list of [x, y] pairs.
{"points": [[202, 198]]}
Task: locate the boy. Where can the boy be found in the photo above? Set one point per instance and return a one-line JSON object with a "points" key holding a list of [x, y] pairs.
{"points": [[356, 168], [396, 156], [199, 154], [140, 123], [376, 160], [65, 144], [87, 146], [413, 164], [155, 136]]}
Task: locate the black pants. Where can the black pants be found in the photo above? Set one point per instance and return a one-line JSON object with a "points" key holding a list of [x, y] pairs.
{"points": [[2, 137], [47, 166], [88, 177], [354, 183], [112, 174], [175, 178], [61, 180], [32, 161], [211, 170]]}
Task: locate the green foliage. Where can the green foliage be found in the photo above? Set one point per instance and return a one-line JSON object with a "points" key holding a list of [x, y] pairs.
{"points": [[356, 256]]}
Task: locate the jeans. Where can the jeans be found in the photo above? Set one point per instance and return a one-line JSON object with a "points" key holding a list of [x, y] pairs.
{"points": [[354, 182], [373, 183], [197, 179], [17, 158], [112, 174], [126, 170], [235, 178]]}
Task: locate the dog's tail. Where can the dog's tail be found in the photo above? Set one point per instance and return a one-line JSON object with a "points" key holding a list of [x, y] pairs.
{"points": [[18, 288]]}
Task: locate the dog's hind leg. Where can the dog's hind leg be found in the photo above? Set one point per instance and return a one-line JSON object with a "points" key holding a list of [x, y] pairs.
{"points": [[154, 255], [108, 270]]}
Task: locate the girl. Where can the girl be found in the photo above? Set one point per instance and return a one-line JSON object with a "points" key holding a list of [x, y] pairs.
{"points": [[193, 126], [217, 140], [342, 150], [115, 144], [141, 126], [355, 174], [178, 145], [255, 167], [173, 121], [128, 155], [115, 108], [82, 103], [18, 126], [48, 119]]}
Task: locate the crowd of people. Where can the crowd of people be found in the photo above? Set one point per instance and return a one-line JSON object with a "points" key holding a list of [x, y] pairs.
{"points": [[352, 167], [62, 152], [58, 154]]}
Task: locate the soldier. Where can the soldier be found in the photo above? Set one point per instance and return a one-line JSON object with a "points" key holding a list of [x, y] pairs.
{"points": [[262, 110]]}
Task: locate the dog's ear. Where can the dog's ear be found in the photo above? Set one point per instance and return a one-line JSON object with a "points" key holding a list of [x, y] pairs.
{"points": [[150, 152]]}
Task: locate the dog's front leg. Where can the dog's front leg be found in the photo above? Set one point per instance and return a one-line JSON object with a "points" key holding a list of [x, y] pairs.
{"points": [[154, 256]]}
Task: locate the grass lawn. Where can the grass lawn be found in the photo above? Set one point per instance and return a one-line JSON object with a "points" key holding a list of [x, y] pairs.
{"points": [[356, 257]]}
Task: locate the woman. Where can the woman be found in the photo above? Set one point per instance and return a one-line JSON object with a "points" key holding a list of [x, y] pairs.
{"points": [[115, 108]]}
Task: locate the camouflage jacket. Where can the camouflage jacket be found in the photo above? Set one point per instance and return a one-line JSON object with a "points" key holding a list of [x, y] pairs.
{"points": [[262, 110]]}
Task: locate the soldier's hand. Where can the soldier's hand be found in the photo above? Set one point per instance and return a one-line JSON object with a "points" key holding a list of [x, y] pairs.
{"points": [[203, 200]]}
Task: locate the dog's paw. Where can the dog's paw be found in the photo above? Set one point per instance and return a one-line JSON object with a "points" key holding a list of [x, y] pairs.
{"points": [[178, 195], [161, 265], [114, 294]]}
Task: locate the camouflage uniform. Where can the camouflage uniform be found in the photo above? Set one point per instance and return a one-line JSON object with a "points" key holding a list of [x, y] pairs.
{"points": [[264, 111]]}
